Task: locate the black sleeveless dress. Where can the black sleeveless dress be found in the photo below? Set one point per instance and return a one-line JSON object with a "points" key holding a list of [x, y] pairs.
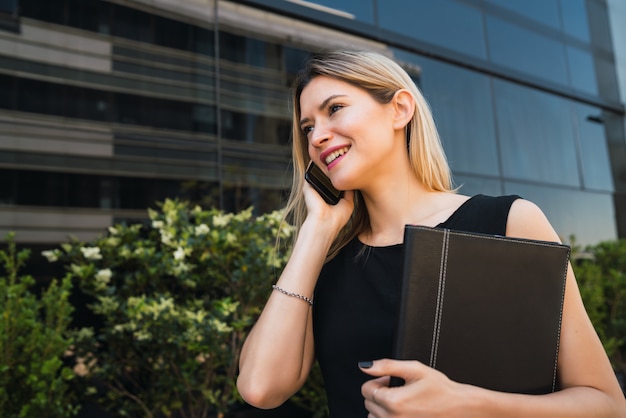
{"points": [[356, 298]]}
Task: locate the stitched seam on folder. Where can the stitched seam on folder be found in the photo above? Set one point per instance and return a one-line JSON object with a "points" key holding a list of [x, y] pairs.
{"points": [[440, 295], [558, 345]]}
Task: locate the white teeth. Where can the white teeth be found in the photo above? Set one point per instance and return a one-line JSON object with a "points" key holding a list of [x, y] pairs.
{"points": [[335, 154]]}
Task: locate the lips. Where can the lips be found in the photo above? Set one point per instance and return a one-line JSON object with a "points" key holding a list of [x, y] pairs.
{"points": [[332, 155]]}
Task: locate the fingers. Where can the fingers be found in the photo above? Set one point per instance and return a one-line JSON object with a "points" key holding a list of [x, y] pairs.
{"points": [[407, 370]]}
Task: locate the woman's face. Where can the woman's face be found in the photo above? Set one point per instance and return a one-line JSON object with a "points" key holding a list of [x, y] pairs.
{"points": [[349, 133]]}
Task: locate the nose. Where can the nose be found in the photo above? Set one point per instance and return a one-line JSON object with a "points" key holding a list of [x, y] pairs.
{"points": [[320, 135]]}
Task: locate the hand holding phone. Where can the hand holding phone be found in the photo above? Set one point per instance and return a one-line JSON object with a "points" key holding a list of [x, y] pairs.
{"points": [[320, 182]]}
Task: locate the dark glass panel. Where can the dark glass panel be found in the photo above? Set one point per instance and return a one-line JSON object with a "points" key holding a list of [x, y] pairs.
{"points": [[140, 193], [589, 217], [40, 188], [204, 119], [172, 34], [40, 97], [254, 52], [203, 41], [8, 87], [132, 24], [594, 153], [9, 7], [294, 61], [8, 178], [445, 23], [543, 11], [91, 15], [88, 104], [233, 125], [523, 50], [536, 135], [461, 102], [232, 47], [83, 191], [48, 11], [238, 198], [255, 128]]}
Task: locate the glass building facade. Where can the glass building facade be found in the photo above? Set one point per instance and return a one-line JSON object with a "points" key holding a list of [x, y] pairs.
{"points": [[109, 106]]}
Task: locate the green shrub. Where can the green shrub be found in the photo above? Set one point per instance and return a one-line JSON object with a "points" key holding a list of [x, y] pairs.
{"points": [[177, 298], [34, 382], [601, 276]]}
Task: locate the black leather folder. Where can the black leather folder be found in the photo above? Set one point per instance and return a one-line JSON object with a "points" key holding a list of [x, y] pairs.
{"points": [[483, 309]]}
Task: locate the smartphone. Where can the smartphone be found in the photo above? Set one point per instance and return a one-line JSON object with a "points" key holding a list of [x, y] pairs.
{"points": [[320, 182]]}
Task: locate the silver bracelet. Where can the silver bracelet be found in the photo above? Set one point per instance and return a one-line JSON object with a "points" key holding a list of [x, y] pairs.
{"points": [[295, 295]]}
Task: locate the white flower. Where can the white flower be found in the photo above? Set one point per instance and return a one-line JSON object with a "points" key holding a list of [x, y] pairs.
{"points": [[113, 230], [202, 229], [166, 237], [157, 224], [179, 254], [221, 220], [91, 253], [104, 275], [51, 255]]}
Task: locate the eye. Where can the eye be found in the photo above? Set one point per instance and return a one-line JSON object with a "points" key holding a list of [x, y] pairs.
{"points": [[333, 108], [306, 130]]}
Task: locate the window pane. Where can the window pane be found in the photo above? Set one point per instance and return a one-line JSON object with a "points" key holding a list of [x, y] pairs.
{"points": [[445, 23], [8, 7], [542, 11], [575, 22], [471, 185], [536, 135], [462, 107], [589, 217], [582, 70], [594, 153], [526, 51]]}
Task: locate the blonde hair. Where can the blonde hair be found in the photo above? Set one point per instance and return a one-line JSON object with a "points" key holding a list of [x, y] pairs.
{"points": [[381, 77]]}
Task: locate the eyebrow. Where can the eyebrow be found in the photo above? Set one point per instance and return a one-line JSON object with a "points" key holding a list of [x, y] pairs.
{"points": [[322, 106]]}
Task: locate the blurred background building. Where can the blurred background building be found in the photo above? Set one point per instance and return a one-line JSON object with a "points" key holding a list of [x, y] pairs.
{"points": [[109, 106]]}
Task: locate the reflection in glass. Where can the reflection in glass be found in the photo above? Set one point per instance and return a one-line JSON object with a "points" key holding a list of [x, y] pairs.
{"points": [[536, 135], [582, 71], [362, 10], [594, 154], [445, 23], [522, 50], [589, 217], [461, 101], [542, 11], [575, 22]]}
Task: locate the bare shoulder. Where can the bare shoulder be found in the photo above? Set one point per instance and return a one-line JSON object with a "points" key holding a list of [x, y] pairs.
{"points": [[527, 220]]}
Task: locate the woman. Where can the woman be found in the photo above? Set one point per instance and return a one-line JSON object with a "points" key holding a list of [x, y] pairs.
{"points": [[361, 118]]}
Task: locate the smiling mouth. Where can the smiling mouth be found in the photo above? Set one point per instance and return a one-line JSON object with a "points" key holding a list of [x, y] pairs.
{"points": [[335, 154]]}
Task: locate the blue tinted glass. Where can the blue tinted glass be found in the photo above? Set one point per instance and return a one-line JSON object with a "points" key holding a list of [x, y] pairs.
{"points": [[582, 70], [463, 110], [594, 153], [445, 23], [589, 217], [536, 135], [526, 51], [471, 185], [8, 6], [575, 22], [362, 10], [543, 11]]}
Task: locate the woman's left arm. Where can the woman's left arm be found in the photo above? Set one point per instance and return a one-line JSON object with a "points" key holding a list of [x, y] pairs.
{"points": [[589, 387]]}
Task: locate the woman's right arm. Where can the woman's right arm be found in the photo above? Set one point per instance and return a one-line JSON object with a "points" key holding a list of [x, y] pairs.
{"points": [[278, 353]]}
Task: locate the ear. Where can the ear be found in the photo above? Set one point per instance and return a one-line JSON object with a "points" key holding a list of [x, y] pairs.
{"points": [[404, 108]]}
